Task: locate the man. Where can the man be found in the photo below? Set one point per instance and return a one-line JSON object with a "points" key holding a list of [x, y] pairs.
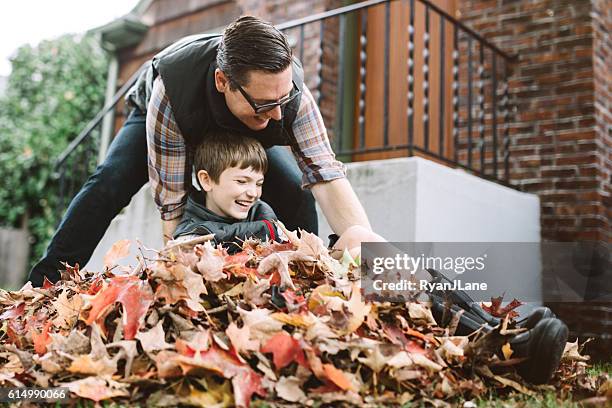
{"points": [[245, 81]]}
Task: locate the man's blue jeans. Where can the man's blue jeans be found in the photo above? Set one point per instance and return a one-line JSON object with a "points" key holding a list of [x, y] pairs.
{"points": [[124, 172]]}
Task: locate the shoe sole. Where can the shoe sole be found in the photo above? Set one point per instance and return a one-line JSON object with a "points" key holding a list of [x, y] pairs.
{"points": [[545, 351]]}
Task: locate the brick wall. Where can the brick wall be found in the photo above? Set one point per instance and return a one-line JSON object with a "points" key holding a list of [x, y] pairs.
{"points": [[556, 148], [561, 137], [602, 44]]}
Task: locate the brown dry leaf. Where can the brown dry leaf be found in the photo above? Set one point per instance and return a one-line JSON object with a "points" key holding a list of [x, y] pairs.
{"points": [[277, 261], [358, 309], [211, 264], [254, 291], [289, 389], [97, 388], [241, 338], [260, 322], [154, 339], [375, 359], [67, 309], [311, 246], [119, 250], [85, 364], [571, 352], [418, 311]]}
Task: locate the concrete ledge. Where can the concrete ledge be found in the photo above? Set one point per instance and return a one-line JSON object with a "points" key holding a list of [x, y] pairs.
{"points": [[414, 199]]}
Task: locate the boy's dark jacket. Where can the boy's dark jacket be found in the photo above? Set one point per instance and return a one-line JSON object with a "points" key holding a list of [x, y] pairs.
{"points": [[199, 220]]}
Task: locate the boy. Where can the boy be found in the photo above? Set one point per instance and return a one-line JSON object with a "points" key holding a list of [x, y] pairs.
{"points": [[230, 169]]}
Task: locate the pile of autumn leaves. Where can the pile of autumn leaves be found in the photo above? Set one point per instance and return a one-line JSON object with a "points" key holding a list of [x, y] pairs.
{"points": [[193, 325]]}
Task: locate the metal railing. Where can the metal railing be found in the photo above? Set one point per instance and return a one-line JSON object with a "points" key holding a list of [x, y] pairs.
{"points": [[464, 122]]}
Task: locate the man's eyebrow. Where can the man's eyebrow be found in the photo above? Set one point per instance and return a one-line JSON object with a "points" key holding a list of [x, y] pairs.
{"points": [[264, 101]]}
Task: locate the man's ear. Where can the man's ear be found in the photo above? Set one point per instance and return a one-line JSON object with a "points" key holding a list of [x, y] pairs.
{"points": [[205, 180], [221, 81]]}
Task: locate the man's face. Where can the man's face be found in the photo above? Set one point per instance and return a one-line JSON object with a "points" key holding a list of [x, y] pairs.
{"points": [[234, 194], [262, 87]]}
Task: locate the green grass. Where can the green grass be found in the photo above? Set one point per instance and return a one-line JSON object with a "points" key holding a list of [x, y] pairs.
{"points": [[600, 368], [547, 400]]}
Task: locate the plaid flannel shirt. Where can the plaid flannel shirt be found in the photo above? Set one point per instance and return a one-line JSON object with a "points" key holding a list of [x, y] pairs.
{"points": [[170, 162]]}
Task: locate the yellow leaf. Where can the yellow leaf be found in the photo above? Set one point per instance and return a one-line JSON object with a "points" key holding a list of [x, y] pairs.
{"points": [[507, 350], [293, 319]]}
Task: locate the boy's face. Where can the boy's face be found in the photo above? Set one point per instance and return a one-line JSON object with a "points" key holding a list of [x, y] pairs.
{"points": [[234, 194]]}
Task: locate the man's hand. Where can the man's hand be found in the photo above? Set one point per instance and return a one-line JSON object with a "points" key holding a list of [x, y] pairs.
{"points": [[352, 239]]}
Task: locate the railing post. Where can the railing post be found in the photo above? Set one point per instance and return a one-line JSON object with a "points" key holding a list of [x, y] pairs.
{"points": [[386, 85], [494, 84], [456, 93], [426, 79], [362, 71], [506, 113], [469, 102], [340, 89], [320, 64], [481, 113], [442, 86], [411, 80]]}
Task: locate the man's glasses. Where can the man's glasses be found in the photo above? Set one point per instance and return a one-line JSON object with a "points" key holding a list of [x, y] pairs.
{"points": [[267, 107]]}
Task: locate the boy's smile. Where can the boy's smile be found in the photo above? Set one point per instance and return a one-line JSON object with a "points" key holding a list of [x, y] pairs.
{"points": [[235, 193]]}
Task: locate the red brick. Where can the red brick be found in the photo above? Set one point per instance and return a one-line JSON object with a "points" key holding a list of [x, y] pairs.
{"points": [[559, 173], [589, 196], [557, 197], [576, 160], [591, 222], [576, 185], [578, 135]]}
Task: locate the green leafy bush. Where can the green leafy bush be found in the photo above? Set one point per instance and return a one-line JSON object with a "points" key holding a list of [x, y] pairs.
{"points": [[54, 89]]}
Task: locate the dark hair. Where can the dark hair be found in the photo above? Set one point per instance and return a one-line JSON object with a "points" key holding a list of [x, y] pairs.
{"points": [[221, 150], [250, 44]]}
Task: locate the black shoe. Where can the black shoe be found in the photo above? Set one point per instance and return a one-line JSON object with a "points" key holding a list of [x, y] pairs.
{"points": [[474, 311], [543, 346]]}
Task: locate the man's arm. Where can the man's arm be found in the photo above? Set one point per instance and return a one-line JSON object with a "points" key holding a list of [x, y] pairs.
{"points": [[340, 205], [345, 215], [168, 228], [327, 178], [168, 161]]}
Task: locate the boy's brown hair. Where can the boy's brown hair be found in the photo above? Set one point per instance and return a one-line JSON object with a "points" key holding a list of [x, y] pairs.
{"points": [[221, 150]]}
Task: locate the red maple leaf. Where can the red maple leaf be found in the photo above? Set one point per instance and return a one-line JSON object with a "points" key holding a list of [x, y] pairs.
{"points": [[95, 286], [245, 381], [396, 336], [496, 310], [134, 294], [47, 283], [41, 340], [13, 312], [285, 349], [295, 301]]}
